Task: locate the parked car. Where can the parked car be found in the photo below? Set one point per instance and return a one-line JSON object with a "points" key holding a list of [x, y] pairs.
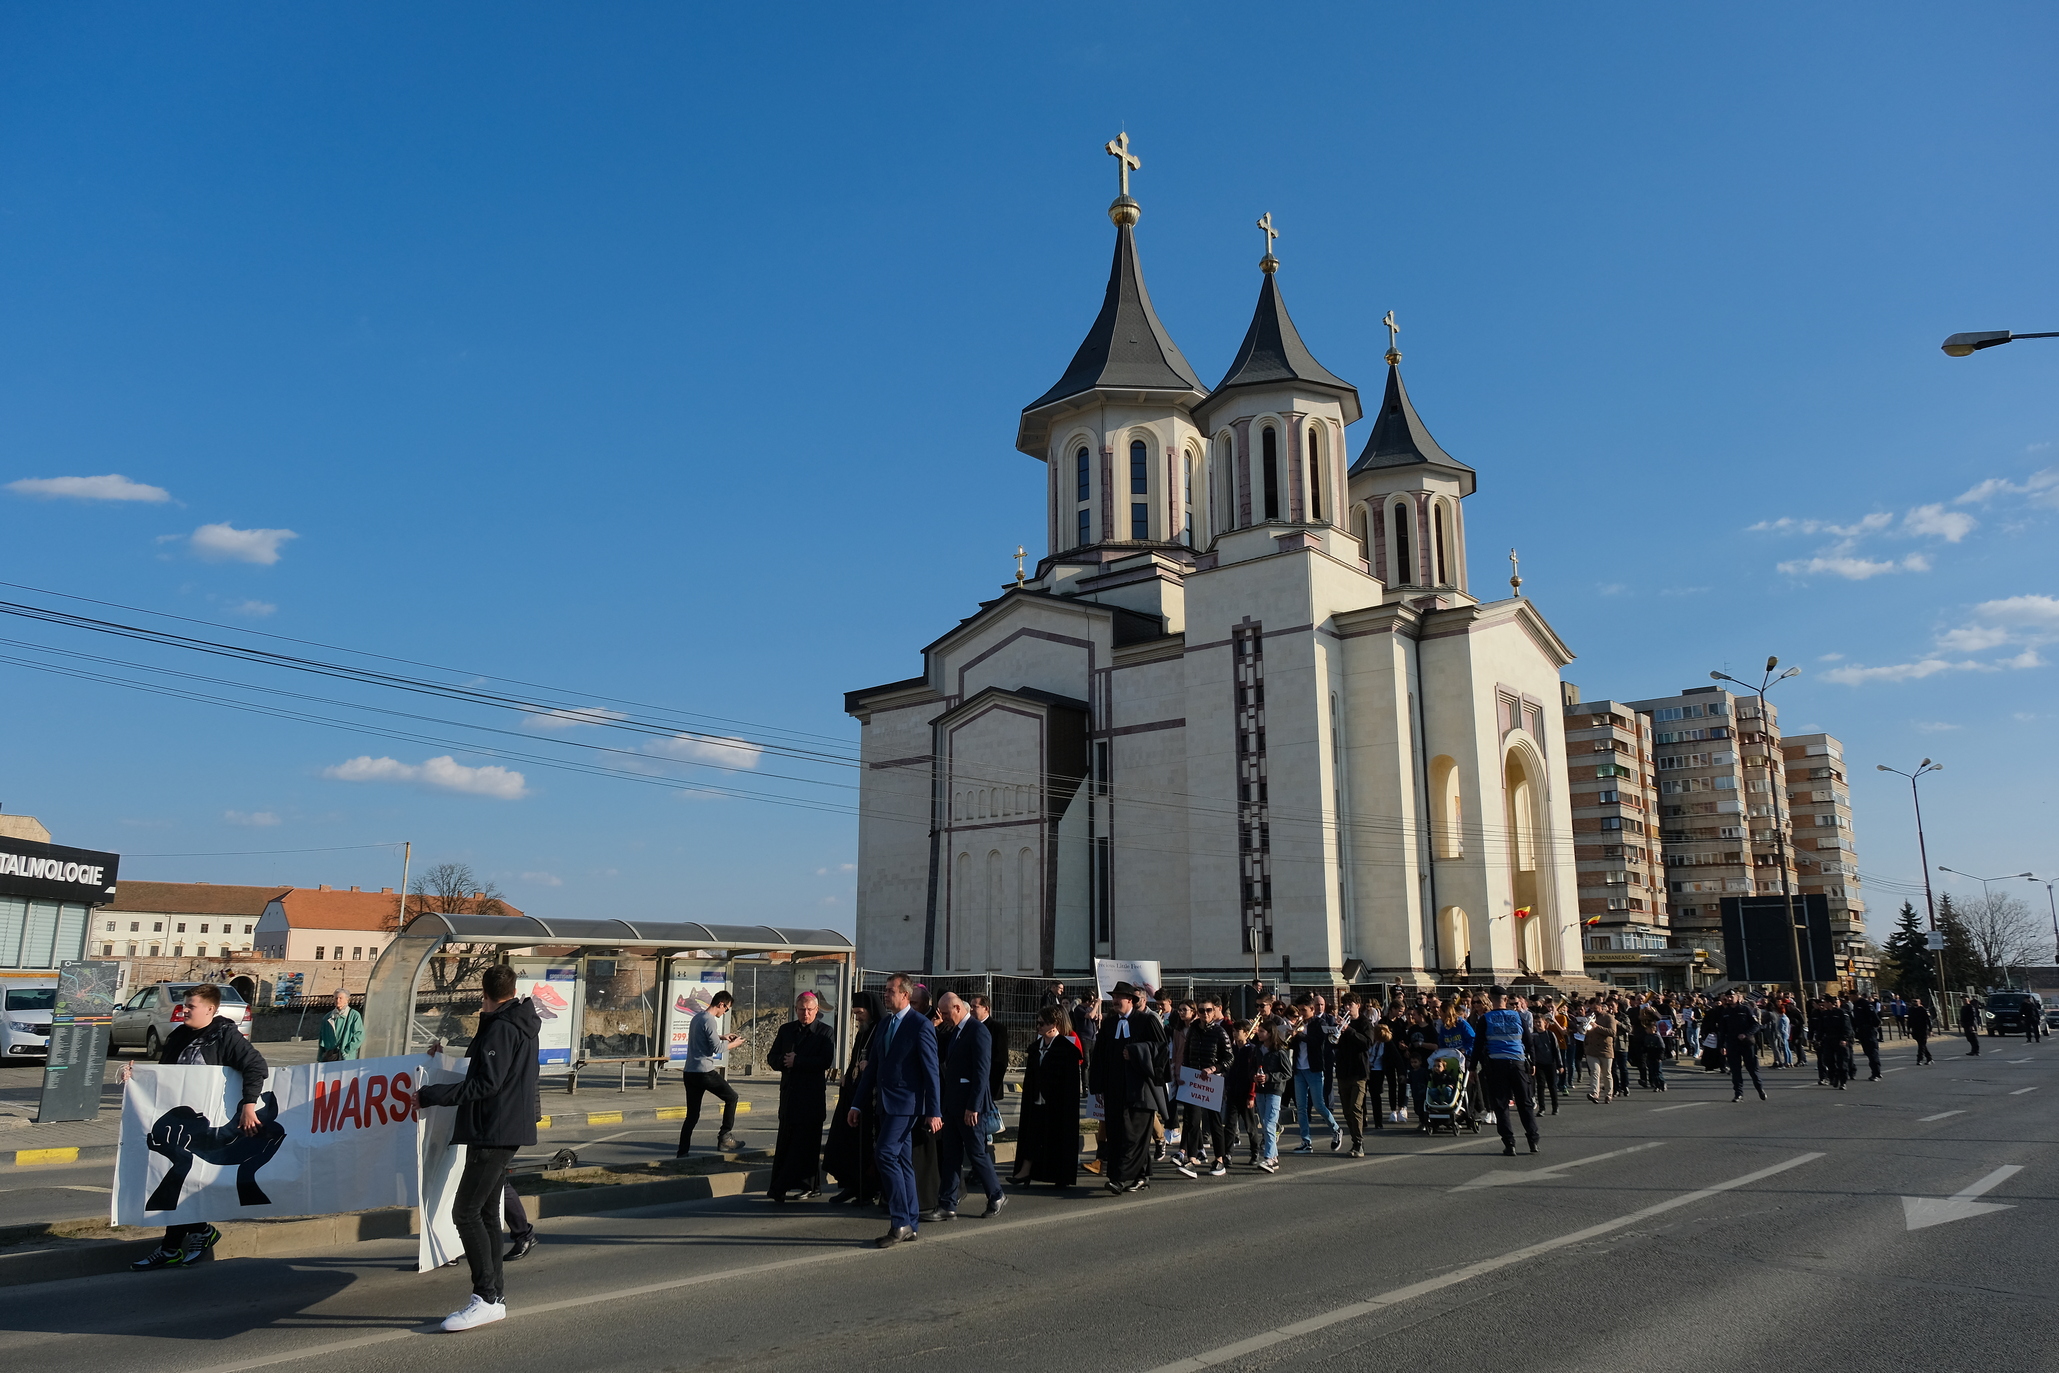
{"points": [[148, 1018], [25, 1026]]}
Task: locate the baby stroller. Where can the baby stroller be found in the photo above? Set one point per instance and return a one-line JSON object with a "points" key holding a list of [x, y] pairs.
{"points": [[1444, 1104]]}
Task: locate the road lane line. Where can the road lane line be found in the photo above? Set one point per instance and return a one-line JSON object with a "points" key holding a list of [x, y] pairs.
{"points": [[842, 1252], [1505, 1177], [1281, 1334], [1923, 1120], [1681, 1107], [2021, 1090]]}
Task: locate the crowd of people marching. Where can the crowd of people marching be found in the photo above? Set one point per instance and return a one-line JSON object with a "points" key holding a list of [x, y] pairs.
{"points": [[919, 1102]]}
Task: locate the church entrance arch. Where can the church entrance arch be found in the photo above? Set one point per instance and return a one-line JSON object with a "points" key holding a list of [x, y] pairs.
{"points": [[1454, 937], [1523, 799]]}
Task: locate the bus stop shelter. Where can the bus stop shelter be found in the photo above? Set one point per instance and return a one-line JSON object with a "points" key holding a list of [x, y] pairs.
{"points": [[613, 994]]}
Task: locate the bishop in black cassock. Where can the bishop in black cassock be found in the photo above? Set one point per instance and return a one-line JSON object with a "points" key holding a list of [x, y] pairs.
{"points": [[1128, 1072]]}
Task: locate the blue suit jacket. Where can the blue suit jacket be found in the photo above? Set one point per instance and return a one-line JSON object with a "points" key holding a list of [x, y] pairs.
{"points": [[906, 1074], [966, 1081]]}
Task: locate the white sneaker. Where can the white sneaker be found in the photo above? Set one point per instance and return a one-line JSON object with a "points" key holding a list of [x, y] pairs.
{"points": [[478, 1311]]}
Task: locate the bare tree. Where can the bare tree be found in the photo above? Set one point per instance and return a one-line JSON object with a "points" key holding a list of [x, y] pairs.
{"points": [[454, 889], [2004, 932]]}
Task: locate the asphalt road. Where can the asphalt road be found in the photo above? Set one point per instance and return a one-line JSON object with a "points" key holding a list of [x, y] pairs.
{"points": [[1666, 1232]]}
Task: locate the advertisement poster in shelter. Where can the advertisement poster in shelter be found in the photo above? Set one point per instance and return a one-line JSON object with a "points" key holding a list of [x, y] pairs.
{"points": [[553, 988], [693, 985]]}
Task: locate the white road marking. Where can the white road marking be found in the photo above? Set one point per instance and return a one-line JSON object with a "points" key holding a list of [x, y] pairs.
{"points": [[1507, 1176], [2019, 1060], [2018, 1092], [1681, 1107], [1919, 1213], [1885, 1071], [1921, 1120], [842, 1253], [1281, 1334]]}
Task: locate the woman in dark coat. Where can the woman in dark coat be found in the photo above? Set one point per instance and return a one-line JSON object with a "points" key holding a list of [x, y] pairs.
{"points": [[849, 1154], [802, 1052], [1047, 1141]]}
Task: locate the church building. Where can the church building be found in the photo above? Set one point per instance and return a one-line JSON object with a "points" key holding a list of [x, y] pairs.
{"points": [[1248, 712]]}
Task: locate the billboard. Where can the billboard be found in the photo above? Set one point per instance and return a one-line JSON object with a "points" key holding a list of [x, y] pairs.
{"points": [[1756, 945], [51, 872]]}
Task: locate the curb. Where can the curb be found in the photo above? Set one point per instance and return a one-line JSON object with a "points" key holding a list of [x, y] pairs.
{"points": [[72, 1153]]}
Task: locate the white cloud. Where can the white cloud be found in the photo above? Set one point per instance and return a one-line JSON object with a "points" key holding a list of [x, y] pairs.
{"points": [[1925, 667], [721, 752], [256, 610], [256, 819], [226, 543], [1973, 638], [2040, 488], [2034, 619], [443, 774], [544, 879], [1787, 524], [1938, 522], [570, 719], [1853, 569], [1830, 657], [112, 487], [1935, 726]]}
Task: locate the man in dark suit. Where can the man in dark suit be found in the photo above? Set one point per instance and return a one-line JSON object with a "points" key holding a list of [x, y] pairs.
{"points": [[902, 1068], [1128, 1074], [967, 1051]]}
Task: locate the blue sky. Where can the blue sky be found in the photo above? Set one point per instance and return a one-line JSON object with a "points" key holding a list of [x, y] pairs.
{"points": [[672, 355]]}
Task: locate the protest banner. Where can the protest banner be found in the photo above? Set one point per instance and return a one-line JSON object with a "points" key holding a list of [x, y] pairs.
{"points": [[1138, 973], [1205, 1092], [331, 1137], [441, 1164]]}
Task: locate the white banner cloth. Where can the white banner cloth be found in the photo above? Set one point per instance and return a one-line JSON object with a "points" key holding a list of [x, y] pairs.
{"points": [[331, 1137]]}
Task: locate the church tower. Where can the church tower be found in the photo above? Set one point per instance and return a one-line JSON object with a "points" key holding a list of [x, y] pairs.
{"points": [[1275, 423], [1406, 495], [1115, 430]]}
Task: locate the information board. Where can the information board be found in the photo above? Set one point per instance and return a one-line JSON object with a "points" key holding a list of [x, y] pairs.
{"points": [[80, 1022]]}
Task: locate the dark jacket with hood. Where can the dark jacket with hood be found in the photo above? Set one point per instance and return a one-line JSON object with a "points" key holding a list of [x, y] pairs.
{"points": [[497, 1102], [220, 1045]]}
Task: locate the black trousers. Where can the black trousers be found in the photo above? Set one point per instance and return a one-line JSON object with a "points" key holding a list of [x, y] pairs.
{"points": [[1507, 1083], [1744, 1059], [475, 1211], [1129, 1144], [1199, 1126], [1547, 1081], [699, 1085], [1872, 1049], [1923, 1049], [512, 1211]]}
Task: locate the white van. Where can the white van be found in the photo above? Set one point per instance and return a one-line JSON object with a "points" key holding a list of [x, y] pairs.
{"points": [[25, 1018]]}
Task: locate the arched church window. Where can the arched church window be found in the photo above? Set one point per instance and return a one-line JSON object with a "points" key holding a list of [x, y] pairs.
{"points": [[1438, 514], [1269, 465], [1404, 563], [1140, 468], [1140, 520], [1358, 531], [1315, 476], [1187, 496], [1086, 475]]}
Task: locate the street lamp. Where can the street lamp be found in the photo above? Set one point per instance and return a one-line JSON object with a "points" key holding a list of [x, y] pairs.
{"points": [[1779, 820], [1984, 894], [2048, 881], [1965, 345], [1923, 857]]}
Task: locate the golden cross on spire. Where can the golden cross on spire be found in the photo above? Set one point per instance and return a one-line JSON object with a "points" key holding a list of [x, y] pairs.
{"points": [[1019, 556], [1126, 161], [1265, 222], [1393, 337]]}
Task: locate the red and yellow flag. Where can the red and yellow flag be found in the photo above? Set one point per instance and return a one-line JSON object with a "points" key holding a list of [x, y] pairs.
{"points": [[1522, 912]]}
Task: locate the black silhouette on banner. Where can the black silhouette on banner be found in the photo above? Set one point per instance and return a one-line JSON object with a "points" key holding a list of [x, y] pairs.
{"points": [[182, 1134]]}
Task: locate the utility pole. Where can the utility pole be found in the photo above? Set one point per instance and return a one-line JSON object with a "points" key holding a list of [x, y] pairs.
{"points": [[1923, 857], [407, 852]]}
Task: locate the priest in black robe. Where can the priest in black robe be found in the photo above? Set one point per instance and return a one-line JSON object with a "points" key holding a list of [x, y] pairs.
{"points": [[849, 1155], [802, 1054], [1047, 1133], [1128, 1074]]}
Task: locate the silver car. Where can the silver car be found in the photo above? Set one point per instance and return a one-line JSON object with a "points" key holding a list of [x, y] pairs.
{"points": [[146, 1020], [25, 1031]]}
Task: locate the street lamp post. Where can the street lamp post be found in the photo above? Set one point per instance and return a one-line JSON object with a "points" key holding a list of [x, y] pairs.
{"points": [[2054, 904], [1984, 893], [1965, 345], [1779, 819], [1923, 857]]}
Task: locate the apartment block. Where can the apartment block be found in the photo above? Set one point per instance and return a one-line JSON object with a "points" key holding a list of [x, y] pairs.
{"points": [[1719, 768], [1820, 814]]}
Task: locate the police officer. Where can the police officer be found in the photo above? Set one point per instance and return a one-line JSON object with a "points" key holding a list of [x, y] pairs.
{"points": [[1503, 1063], [1736, 1027]]}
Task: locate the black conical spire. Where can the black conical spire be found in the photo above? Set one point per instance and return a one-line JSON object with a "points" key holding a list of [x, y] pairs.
{"points": [[1400, 437], [1273, 352]]}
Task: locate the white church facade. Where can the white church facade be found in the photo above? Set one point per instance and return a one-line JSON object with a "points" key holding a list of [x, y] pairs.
{"points": [[1247, 712]]}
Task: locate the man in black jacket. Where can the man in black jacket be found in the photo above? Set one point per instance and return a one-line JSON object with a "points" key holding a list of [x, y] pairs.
{"points": [[802, 1054], [1127, 1074], [1736, 1027], [206, 1038], [1919, 1030], [1351, 1060], [497, 1110], [964, 1053], [1866, 1029], [1969, 1025]]}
